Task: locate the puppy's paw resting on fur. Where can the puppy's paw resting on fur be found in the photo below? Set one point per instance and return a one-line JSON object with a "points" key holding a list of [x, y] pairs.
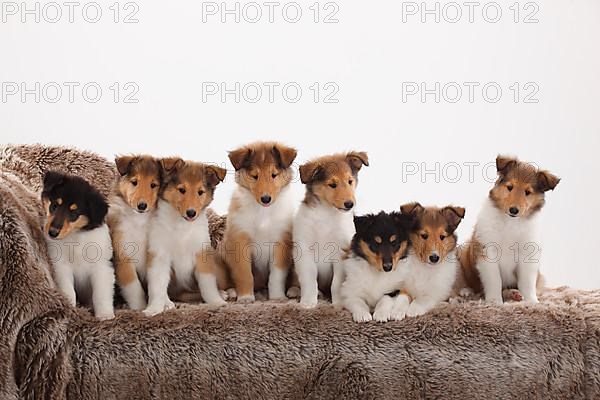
{"points": [[154, 309], [416, 308], [293, 292], [248, 298], [383, 309], [306, 303], [512, 295], [400, 307], [362, 316], [105, 317]]}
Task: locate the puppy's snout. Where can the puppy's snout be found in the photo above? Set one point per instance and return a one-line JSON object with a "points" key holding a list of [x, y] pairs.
{"points": [[514, 211], [266, 199], [142, 206], [348, 204], [191, 213], [53, 232], [387, 266], [434, 258]]}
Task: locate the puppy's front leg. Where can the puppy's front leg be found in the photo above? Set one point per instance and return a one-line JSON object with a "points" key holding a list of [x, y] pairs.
{"points": [[278, 271], [158, 276], [489, 273], [239, 260], [307, 276], [420, 306], [361, 312], [130, 284], [103, 283], [65, 282], [383, 309], [339, 274], [205, 273], [527, 275]]}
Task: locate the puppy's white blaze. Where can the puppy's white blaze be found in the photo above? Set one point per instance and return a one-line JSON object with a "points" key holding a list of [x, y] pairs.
{"points": [[321, 233], [82, 269], [265, 226], [431, 284], [513, 251]]}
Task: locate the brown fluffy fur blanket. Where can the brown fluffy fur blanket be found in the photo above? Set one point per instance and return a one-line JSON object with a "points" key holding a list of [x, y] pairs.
{"points": [[267, 350]]}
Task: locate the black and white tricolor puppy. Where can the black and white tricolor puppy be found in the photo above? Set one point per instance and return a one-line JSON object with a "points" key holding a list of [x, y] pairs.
{"points": [[79, 241]]}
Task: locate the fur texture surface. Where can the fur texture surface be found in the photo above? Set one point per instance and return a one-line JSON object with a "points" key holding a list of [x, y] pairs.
{"points": [[467, 350]]}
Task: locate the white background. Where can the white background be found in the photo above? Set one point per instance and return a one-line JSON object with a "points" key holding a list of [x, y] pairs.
{"points": [[368, 54]]}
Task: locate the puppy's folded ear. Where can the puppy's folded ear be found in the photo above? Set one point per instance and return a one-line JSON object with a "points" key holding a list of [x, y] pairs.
{"points": [[546, 181], [170, 165], [363, 223], [240, 158], [453, 216], [414, 208], [310, 172], [52, 179], [97, 208], [405, 222], [215, 175], [284, 155], [505, 164], [356, 159], [124, 164]]}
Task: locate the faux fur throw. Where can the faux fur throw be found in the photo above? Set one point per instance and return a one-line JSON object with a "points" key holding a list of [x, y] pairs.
{"points": [[267, 350]]}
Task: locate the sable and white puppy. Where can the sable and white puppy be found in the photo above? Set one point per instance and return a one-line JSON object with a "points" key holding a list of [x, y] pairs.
{"points": [[179, 249], [504, 251], [432, 261], [257, 244], [131, 206], [374, 270], [79, 241], [323, 226]]}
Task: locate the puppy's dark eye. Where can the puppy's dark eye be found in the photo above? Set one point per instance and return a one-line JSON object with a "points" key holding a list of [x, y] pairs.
{"points": [[274, 175], [373, 247], [153, 185], [527, 192], [255, 177], [424, 236], [182, 190], [134, 183], [200, 192], [53, 207], [333, 185], [509, 187], [442, 237]]}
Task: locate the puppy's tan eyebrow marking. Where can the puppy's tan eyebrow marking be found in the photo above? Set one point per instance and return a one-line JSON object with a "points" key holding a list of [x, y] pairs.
{"points": [[73, 207], [392, 238], [378, 239], [59, 201]]}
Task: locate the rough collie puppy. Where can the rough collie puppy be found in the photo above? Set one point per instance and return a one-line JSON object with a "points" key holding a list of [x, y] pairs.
{"points": [[324, 226], [79, 241], [432, 261], [257, 244], [131, 206], [179, 249], [504, 250], [374, 267]]}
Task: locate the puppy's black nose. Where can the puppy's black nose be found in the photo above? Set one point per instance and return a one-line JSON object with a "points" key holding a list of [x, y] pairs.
{"points": [[348, 204], [266, 199], [191, 213], [142, 206], [53, 232], [513, 210], [434, 258], [387, 266]]}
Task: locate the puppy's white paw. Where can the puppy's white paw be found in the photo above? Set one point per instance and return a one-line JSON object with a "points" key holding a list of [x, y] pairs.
{"points": [[293, 292], [105, 316], [381, 315], [308, 303], [398, 314], [512, 295], [416, 309], [217, 302], [231, 294], [362, 316], [169, 305], [494, 300], [224, 295], [248, 298], [152, 311]]}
